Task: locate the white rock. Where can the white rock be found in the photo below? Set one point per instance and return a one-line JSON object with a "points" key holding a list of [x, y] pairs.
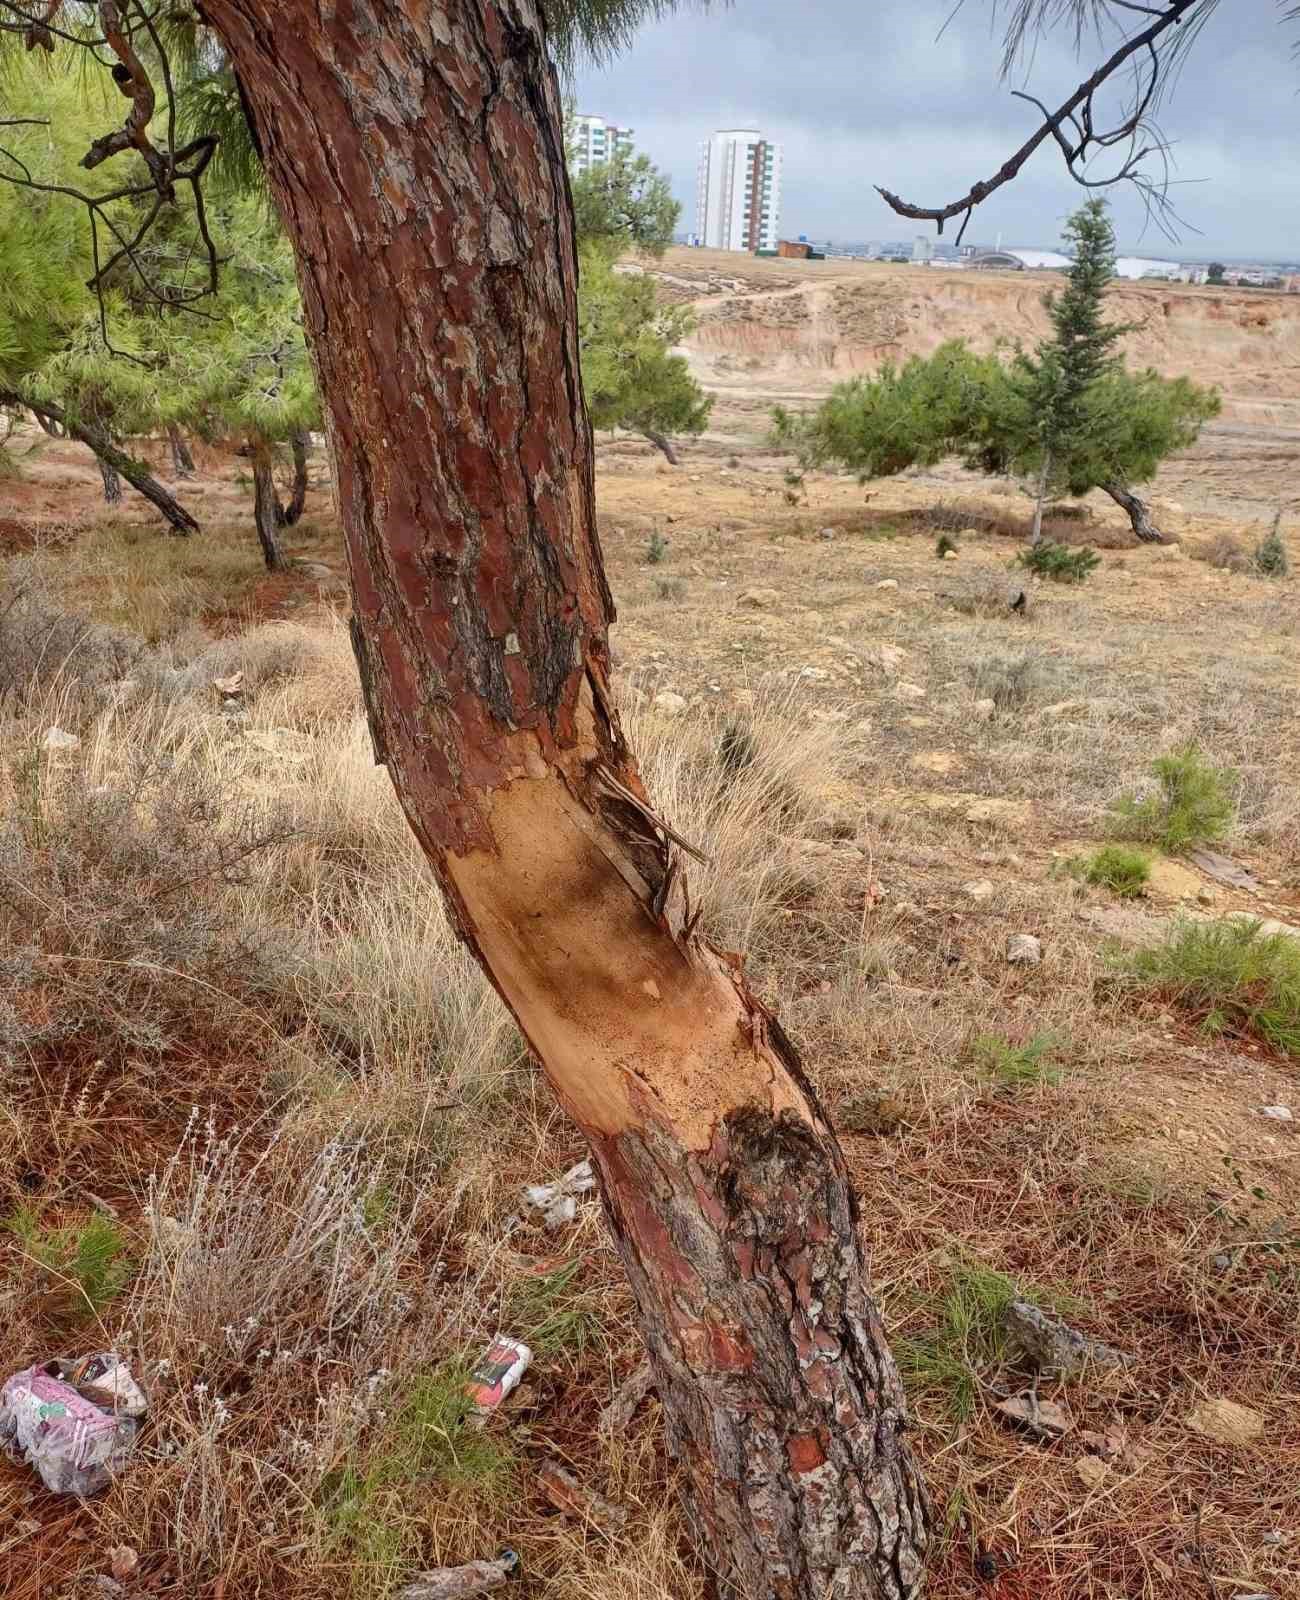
{"points": [[909, 691], [978, 889], [827, 533], [672, 705], [58, 739], [984, 710], [891, 657], [1278, 1113], [950, 555], [887, 583], [1024, 950]]}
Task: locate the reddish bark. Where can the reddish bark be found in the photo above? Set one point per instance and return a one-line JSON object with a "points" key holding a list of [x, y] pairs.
{"points": [[414, 149]]}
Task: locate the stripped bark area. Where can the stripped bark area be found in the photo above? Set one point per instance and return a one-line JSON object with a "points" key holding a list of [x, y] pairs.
{"points": [[415, 152]]}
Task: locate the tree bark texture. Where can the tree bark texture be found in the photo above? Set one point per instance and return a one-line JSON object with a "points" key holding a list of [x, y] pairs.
{"points": [[298, 497], [1138, 514], [112, 482], [1036, 532], [267, 512], [415, 152], [182, 460], [51, 416], [661, 441]]}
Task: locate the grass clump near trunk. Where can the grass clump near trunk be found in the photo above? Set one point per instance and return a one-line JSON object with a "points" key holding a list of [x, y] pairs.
{"points": [[1232, 976], [1059, 562], [1191, 804], [1116, 867]]}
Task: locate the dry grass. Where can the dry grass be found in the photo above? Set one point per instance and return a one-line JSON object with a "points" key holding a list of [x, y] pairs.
{"points": [[236, 1022]]}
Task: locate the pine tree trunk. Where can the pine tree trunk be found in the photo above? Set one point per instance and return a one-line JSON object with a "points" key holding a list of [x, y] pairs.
{"points": [[268, 515], [1138, 514], [112, 482], [51, 416], [1036, 533], [429, 208], [662, 442], [182, 460], [298, 499]]}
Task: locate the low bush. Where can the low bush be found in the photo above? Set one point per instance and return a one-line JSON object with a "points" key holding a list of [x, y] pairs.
{"points": [[1015, 1066], [1115, 867], [1191, 802], [1059, 562], [1230, 975], [87, 1263], [944, 545], [1270, 559]]}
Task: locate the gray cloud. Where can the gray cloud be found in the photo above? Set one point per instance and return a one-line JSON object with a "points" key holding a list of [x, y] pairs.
{"points": [[886, 94]]}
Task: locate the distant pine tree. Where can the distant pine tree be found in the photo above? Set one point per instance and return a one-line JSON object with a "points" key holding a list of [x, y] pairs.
{"points": [[1056, 380]]}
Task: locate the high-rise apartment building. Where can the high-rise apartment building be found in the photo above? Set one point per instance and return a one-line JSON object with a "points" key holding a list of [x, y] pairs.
{"points": [[595, 140], [738, 191]]}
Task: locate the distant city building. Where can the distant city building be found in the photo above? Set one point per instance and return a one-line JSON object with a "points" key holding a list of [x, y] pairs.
{"points": [[596, 140], [922, 249], [738, 191]]}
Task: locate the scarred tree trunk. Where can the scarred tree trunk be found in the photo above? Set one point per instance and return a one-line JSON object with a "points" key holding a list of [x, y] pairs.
{"points": [[51, 417], [112, 482], [414, 149], [298, 498], [1138, 514], [267, 512], [182, 460]]}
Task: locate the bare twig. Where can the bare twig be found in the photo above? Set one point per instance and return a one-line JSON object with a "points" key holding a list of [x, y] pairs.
{"points": [[1073, 128]]}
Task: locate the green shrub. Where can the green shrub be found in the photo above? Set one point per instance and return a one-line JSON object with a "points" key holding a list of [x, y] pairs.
{"points": [[1271, 559], [970, 1334], [88, 1261], [1192, 804], [1115, 867], [944, 546], [1059, 562], [1017, 1066], [657, 549], [670, 588], [1230, 975]]}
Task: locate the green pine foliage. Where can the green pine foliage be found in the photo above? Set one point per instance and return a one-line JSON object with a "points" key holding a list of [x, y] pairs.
{"points": [[1119, 868], [87, 1263], [1069, 407], [624, 204], [1270, 558], [1023, 1066], [1059, 562], [1192, 802], [1231, 976], [630, 375]]}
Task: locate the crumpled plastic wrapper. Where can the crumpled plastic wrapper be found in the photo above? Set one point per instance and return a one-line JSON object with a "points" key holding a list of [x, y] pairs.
{"points": [[73, 1422]]}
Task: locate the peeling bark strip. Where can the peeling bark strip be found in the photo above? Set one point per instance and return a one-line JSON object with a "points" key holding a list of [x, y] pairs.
{"points": [[414, 149]]}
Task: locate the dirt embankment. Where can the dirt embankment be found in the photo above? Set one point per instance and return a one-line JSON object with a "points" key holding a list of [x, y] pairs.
{"points": [[794, 328]]}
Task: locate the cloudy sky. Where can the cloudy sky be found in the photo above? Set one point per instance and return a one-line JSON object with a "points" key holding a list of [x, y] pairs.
{"points": [[880, 92]]}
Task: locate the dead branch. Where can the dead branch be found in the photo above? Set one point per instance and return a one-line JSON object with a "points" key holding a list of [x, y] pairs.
{"points": [[1073, 125]]}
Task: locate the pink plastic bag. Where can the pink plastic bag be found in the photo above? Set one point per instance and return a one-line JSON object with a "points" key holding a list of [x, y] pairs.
{"points": [[75, 1423]]}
